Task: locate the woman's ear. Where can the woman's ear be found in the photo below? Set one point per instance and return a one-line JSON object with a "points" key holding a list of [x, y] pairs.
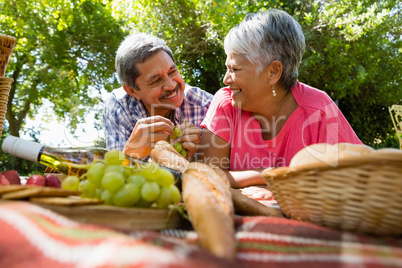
{"points": [[131, 91], [275, 71]]}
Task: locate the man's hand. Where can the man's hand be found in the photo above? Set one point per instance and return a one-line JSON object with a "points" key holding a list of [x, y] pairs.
{"points": [[146, 133], [190, 138]]}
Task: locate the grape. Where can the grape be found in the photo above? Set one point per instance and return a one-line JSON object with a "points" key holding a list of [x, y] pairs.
{"points": [[115, 168], [127, 196], [95, 173], [165, 177], [114, 157], [183, 153], [81, 185], [150, 171], [70, 183], [99, 193], [136, 179], [175, 194], [107, 197], [118, 184], [150, 191], [112, 181], [128, 171], [178, 147], [164, 199], [133, 170], [87, 189], [176, 133], [142, 203]]}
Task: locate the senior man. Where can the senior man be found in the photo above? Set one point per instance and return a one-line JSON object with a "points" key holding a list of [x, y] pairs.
{"points": [[153, 100]]}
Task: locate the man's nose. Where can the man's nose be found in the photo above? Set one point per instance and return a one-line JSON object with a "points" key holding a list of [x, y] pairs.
{"points": [[169, 84]]}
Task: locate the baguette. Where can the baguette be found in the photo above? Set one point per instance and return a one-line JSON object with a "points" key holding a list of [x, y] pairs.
{"points": [[165, 155], [245, 205], [206, 193]]}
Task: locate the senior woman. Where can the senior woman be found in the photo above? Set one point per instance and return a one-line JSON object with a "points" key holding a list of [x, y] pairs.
{"points": [[265, 115]]}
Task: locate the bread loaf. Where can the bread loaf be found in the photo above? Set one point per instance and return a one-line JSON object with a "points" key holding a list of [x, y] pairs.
{"points": [[206, 193], [325, 154], [245, 205], [165, 155]]}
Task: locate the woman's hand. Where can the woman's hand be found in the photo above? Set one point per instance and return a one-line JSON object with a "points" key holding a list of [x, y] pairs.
{"points": [[214, 150]]}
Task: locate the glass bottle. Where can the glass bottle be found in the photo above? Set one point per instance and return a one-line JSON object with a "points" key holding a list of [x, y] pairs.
{"points": [[70, 161]]}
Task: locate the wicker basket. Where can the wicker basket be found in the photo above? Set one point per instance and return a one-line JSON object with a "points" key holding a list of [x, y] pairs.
{"points": [[7, 44], [362, 194], [5, 84]]}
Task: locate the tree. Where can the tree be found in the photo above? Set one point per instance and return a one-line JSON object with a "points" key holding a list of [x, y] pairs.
{"points": [[181, 25], [354, 54], [67, 47], [64, 49], [353, 48]]}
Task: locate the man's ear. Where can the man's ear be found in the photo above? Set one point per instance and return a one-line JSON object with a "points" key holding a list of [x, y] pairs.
{"points": [[131, 91], [275, 71]]}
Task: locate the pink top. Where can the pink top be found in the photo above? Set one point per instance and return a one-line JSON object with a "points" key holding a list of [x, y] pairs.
{"points": [[316, 120]]}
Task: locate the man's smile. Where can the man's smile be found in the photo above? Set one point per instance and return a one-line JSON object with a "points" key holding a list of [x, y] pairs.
{"points": [[171, 94]]}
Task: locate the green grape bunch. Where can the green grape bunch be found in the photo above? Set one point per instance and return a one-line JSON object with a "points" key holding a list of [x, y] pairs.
{"points": [[178, 145], [117, 184]]}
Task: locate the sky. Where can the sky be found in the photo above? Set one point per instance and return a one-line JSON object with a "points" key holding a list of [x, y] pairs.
{"points": [[56, 133]]}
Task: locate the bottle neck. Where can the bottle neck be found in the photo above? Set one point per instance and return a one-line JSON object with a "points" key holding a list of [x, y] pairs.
{"points": [[40, 153], [24, 149]]}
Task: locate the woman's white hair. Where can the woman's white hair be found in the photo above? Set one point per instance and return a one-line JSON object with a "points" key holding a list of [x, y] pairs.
{"points": [[268, 36]]}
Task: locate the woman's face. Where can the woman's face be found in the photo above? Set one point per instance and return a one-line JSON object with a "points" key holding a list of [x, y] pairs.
{"points": [[249, 90]]}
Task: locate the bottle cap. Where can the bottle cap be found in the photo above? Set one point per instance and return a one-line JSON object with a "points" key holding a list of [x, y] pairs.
{"points": [[18, 147]]}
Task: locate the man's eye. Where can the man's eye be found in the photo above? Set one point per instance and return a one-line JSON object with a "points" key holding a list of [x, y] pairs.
{"points": [[155, 82], [173, 72]]}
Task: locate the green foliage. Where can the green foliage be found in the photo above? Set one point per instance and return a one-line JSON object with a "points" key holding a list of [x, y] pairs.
{"points": [[66, 49], [63, 48], [180, 23], [353, 53], [353, 48]]}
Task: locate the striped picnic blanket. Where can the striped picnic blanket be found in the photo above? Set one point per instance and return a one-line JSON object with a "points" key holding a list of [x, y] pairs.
{"points": [[31, 236]]}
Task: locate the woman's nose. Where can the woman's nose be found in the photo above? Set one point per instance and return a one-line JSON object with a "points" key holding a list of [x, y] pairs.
{"points": [[227, 79]]}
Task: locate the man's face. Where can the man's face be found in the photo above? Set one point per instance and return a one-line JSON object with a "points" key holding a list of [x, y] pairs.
{"points": [[160, 84]]}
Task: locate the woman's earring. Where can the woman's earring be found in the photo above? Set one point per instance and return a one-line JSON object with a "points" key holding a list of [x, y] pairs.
{"points": [[273, 91]]}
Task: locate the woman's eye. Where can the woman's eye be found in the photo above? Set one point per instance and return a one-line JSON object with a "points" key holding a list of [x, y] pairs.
{"points": [[173, 72]]}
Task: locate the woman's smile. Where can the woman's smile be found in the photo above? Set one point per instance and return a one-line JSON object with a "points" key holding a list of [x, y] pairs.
{"points": [[235, 92]]}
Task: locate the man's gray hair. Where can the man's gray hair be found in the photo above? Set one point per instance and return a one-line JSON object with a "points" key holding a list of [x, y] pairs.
{"points": [[268, 36], [136, 48]]}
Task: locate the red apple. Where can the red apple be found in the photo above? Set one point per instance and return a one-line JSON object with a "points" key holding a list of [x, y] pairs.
{"points": [[36, 180], [12, 176], [52, 181], [3, 180]]}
